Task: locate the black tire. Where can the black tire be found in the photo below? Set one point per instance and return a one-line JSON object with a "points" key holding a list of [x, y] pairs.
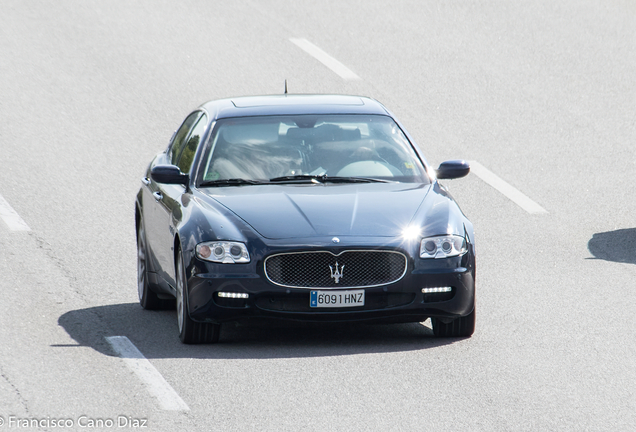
{"points": [[460, 327], [191, 332], [148, 299]]}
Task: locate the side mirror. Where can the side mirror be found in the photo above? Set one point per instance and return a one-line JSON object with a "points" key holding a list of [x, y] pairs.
{"points": [[169, 174], [453, 169]]}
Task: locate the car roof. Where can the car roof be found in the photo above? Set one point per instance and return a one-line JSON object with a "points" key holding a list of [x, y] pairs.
{"points": [[249, 106]]}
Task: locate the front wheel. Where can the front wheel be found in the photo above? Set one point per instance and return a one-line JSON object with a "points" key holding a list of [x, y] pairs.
{"points": [[459, 327], [148, 299], [191, 332]]}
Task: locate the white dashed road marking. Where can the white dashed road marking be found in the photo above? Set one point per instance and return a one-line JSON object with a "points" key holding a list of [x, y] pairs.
{"points": [[324, 58], [157, 385], [506, 189], [11, 217]]}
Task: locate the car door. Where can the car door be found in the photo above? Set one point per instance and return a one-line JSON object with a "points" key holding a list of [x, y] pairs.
{"points": [[165, 199]]}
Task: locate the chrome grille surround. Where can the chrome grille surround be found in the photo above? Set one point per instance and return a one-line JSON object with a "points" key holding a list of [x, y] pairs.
{"points": [[315, 269]]}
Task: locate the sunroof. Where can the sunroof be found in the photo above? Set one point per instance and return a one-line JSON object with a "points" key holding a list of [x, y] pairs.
{"points": [[250, 102]]}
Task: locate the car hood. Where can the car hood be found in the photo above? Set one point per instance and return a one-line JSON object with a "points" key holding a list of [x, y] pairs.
{"points": [[304, 211]]}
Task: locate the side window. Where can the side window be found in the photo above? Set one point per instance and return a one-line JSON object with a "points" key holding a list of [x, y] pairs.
{"points": [[181, 136], [187, 155]]}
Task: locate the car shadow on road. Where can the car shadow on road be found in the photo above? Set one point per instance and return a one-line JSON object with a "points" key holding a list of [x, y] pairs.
{"points": [[155, 335], [617, 246]]}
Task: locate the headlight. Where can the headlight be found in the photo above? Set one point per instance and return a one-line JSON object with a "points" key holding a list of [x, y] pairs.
{"points": [[223, 252], [443, 246]]}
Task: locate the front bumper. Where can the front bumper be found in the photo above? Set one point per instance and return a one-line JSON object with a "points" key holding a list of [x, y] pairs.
{"points": [[402, 301]]}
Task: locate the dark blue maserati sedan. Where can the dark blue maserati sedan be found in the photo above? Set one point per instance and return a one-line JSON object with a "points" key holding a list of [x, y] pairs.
{"points": [[302, 207]]}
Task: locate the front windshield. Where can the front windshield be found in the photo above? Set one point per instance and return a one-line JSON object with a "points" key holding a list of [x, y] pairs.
{"points": [[265, 148]]}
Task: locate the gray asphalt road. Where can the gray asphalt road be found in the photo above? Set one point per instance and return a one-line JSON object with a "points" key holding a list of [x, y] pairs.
{"points": [[541, 93]]}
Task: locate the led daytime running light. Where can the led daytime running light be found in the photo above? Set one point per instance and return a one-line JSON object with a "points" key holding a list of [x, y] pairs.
{"points": [[233, 295], [436, 290]]}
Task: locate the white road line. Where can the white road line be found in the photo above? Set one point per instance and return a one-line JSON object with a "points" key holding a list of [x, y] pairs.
{"points": [[157, 385], [324, 58], [506, 189], [11, 217]]}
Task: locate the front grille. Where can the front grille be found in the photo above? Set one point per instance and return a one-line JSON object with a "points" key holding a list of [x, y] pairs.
{"points": [[349, 269]]}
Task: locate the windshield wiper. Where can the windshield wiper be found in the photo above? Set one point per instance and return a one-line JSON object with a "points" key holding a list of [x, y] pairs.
{"points": [[231, 182], [299, 177], [324, 178], [337, 179]]}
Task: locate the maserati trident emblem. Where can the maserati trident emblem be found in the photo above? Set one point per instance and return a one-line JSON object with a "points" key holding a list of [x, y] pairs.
{"points": [[337, 275]]}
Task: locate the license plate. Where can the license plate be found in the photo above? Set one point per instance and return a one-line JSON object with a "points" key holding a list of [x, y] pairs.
{"points": [[336, 299]]}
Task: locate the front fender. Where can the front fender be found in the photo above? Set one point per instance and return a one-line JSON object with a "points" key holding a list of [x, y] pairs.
{"points": [[440, 215], [201, 221]]}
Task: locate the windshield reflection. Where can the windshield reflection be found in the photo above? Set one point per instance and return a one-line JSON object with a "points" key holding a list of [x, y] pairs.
{"points": [[261, 148]]}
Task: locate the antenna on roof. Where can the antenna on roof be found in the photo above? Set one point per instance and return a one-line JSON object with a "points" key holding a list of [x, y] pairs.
{"points": [[285, 86]]}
